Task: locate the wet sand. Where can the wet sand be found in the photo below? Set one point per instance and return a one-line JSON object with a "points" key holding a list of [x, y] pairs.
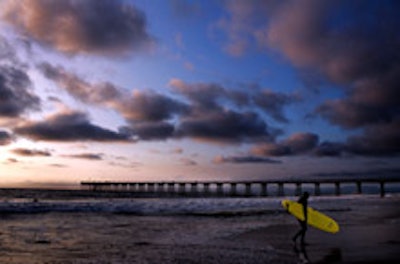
{"points": [[51, 238], [110, 238], [371, 244]]}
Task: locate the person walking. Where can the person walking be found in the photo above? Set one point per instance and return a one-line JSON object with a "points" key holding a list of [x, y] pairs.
{"points": [[303, 223]]}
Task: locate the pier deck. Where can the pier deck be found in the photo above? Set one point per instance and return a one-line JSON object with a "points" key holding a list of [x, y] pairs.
{"points": [[241, 188]]}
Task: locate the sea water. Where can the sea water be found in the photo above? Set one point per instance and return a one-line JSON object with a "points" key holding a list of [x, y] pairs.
{"points": [[41, 201]]}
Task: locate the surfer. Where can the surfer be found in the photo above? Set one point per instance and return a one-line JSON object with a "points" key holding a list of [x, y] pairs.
{"points": [[303, 224]]}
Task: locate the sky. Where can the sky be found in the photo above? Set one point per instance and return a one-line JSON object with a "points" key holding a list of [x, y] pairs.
{"points": [[185, 90]]}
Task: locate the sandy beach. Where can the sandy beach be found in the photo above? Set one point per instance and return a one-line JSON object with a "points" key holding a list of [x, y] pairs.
{"points": [[369, 234]]}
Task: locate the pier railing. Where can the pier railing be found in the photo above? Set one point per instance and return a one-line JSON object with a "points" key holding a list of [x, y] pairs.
{"points": [[241, 188]]}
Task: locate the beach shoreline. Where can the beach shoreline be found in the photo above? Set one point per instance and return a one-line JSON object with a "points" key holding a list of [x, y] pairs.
{"points": [[200, 231]]}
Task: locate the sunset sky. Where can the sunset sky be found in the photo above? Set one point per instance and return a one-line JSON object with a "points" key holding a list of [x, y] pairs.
{"points": [[192, 90]]}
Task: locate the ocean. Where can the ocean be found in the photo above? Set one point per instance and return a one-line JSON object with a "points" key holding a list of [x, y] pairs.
{"points": [[63, 226]]}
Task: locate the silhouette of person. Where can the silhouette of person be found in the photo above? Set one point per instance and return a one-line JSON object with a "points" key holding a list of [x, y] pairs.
{"points": [[302, 254], [303, 224]]}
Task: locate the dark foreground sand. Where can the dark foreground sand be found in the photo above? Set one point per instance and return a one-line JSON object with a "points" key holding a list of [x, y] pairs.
{"points": [[103, 240], [370, 244]]}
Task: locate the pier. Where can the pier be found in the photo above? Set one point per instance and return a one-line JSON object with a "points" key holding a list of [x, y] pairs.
{"points": [[245, 188]]}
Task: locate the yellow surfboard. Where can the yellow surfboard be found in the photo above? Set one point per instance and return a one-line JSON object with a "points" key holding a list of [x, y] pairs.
{"points": [[315, 219]]}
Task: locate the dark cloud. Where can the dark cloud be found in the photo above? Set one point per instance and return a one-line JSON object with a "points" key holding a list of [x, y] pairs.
{"points": [[5, 138], [351, 44], [349, 114], [202, 96], [271, 149], [31, 152], [225, 127], [7, 52], [359, 51], [378, 140], [330, 149], [16, 96], [244, 159], [206, 97], [138, 106], [188, 162], [103, 27], [149, 130], [297, 143], [273, 103], [202, 113], [146, 112], [145, 106], [101, 93], [68, 126], [87, 156], [301, 142], [212, 116]]}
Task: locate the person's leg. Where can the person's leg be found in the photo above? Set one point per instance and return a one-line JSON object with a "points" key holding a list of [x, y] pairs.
{"points": [[303, 233], [302, 238], [297, 235]]}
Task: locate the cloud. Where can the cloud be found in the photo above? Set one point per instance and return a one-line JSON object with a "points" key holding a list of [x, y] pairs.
{"points": [[225, 127], [188, 162], [359, 52], [5, 138], [11, 160], [353, 45], [101, 93], [378, 140], [7, 52], [244, 159], [149, 106], [301, 142], [137, 106], [241, 24], [31, 152], [368, 66], [87, 156], [58, 165], [273, 103], [297, 143], [349, 114], [103, 27], [202, 96], [206, 97], [330, 149], [201, 112], [176, 151], [149, 130], [16, 95], [68, 126]]}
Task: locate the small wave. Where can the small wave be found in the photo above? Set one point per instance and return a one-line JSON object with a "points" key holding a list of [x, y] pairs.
{"points": [[337, 210], [237, 213], [195, 207]]}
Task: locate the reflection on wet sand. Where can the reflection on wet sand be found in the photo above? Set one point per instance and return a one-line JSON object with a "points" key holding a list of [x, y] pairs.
{"points": [[334, 255]]}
